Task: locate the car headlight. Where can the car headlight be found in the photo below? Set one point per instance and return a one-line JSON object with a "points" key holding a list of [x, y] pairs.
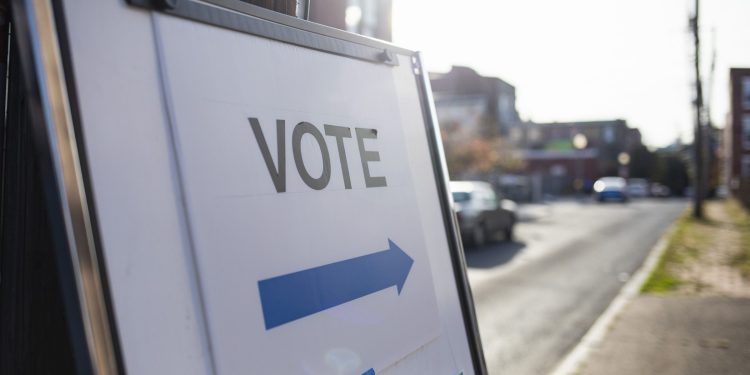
{"points": [[598, 186]]}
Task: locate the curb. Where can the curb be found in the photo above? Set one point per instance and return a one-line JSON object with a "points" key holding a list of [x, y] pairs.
{"points": [[576, 357]]}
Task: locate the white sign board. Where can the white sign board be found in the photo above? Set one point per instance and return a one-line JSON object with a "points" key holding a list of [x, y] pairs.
{"points": [[269, 199], [286, 171]]}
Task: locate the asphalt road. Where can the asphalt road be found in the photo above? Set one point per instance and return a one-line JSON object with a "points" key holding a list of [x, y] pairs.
{"points": [[537, 296]]}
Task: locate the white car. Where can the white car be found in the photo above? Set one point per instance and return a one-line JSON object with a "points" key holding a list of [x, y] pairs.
{"points": [[638, 188], [482, 214], [659, 190], [611, 188]]}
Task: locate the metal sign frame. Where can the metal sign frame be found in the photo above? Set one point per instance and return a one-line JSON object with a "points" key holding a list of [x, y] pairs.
{"points": [[50, 90], [43, 45]]}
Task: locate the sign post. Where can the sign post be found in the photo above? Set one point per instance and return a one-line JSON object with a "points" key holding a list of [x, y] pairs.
{"points": [[262, 194]]}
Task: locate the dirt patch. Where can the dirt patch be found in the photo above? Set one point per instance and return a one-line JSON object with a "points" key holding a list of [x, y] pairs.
{"points": [[707, 253]]}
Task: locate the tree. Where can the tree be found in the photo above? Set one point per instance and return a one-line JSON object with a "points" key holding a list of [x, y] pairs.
{"points": [[642, 162], [478, 155], [672, 171]]}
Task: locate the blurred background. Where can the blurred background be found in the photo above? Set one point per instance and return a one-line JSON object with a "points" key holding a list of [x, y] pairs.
{"points": [[585, 139]]}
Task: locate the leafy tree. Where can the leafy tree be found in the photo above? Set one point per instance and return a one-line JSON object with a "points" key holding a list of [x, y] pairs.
{"points": [[672, 171], [477, 155], [643, 163]]}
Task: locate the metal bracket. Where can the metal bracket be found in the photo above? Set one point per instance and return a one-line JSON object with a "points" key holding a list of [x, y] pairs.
{"points": [[416, 66], [251, 19]]}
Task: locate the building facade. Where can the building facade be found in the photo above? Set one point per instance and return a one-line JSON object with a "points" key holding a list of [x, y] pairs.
{"points": [[553, 157], [737, 136], [468, 103]]}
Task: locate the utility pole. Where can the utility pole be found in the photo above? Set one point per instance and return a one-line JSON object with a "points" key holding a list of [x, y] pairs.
{"points": [[698, 178], [710, 163]]}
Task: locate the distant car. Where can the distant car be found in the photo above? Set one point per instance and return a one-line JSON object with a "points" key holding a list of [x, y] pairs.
{"points": [[611, 189], [722, 191], [482, 214], [638, 188], [659, 190]]}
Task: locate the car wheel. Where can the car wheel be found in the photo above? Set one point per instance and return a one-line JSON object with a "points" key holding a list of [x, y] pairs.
{"points": [[509, 233], [479, 236]]}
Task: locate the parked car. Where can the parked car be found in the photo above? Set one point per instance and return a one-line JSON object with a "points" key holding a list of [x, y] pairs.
{"points": [[638, 188], [659, 190], [611, 188], [482, 214]]}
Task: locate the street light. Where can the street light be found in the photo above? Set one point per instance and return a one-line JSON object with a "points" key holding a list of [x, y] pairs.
{"points": [[579, 142], [624, 159]]}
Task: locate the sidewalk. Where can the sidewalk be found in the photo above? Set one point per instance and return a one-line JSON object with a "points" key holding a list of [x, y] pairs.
{"points": [[676, 335], [698, 322]]}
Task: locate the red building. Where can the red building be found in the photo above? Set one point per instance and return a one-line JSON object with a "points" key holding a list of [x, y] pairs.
{"points": [[551, 154], [737, 136], [475, 103]]}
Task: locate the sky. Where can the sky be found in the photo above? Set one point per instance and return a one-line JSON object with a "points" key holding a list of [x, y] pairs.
{"points": [[580, 60]]}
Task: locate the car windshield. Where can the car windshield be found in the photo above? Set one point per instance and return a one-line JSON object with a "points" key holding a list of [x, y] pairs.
{"points": [[461, 196], [613, 182]]}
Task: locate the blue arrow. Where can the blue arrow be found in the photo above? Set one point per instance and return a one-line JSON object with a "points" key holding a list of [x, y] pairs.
{"points": [[296, 295]]}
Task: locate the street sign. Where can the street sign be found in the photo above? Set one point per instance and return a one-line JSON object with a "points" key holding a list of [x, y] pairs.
{"points": [[262, 194]]}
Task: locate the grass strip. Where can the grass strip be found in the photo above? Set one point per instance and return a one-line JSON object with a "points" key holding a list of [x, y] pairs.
{"points": [[662, 279], [741, 219], [691, 236]]}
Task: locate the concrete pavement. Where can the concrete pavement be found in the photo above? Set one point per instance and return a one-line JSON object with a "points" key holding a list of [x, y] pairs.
{"points": [[676, 335], [701, 322]]}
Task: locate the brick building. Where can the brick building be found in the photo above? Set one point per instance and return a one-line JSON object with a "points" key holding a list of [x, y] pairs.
{"points": [[737, 136], [474, 104], [550, 153]]}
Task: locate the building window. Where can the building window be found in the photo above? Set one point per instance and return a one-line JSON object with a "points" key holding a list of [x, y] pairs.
{"points": [[745, 171], [558, 170], [746, 92], [746, 132], [535, 135]]}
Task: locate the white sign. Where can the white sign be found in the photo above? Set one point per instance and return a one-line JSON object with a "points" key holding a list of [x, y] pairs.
{"points": [[287, 171]]}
